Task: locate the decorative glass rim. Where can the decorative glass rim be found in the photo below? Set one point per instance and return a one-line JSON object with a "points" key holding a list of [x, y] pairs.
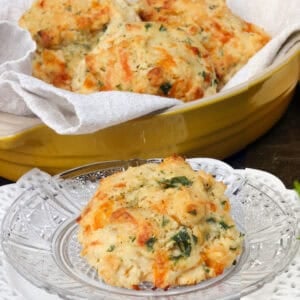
{"points": [[59, 191]]}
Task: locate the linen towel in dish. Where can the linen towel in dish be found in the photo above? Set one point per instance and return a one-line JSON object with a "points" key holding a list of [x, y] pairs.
{"points": [[70, 113]]}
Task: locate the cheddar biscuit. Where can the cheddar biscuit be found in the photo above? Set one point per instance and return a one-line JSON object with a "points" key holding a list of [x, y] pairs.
{"points": [[65, 31], [149, 58], [160, 223], [229, 40]]}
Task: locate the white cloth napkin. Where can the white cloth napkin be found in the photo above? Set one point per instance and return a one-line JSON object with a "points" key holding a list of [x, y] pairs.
{"points": [[70, 113], [281, 19]]}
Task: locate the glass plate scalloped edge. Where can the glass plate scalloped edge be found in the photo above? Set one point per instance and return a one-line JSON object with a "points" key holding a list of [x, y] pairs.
{"points": [[39, 235]]}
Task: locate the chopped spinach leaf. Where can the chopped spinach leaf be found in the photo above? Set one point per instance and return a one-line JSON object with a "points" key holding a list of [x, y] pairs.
{"points": [[207, 236], [211, 220], [150, 243], [215, 82], [147, 26], [132, 238], [224, 225], [165, 221], [111, 248], [165, 88], [175, 182], [162, 28], [195, 239], [188, 41], [183, 241], [193, 212], [204, 75], [176, 257], [104, 28], [100, 84]]}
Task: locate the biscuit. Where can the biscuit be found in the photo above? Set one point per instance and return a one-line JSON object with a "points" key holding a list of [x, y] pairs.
{"points": [[65, 31], [229, 40], [149, 58], [160, 223]]}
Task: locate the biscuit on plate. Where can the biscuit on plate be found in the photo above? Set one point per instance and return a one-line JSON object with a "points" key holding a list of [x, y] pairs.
{"points": [[160, 223]]}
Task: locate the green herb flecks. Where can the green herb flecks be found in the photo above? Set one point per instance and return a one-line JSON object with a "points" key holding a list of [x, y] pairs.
{"points": [[162, 28], [104, 28], [132, 238], [224, 225], [176, 258], [232, 248], [203, 74], [214, 82], [183, 241], [193, 212], [164, 221], [100, 84], [297, 186], [189, 41], [147, 26], [111, 248], [212, 7], [211, 220], [195, 239], [165, 88], [119, 87], [175, 182], [150, 243]]}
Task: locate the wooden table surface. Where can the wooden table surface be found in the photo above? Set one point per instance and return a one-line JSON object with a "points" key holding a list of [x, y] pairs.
{"points": [[277, 152]]}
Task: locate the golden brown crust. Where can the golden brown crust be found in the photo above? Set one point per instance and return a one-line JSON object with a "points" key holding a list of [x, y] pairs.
{"points": [[67, 30], [161, 223], [149, 58], [184, 49], [229, 40]]}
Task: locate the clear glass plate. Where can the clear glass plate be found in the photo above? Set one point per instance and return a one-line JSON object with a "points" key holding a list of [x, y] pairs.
{"points": [[39, 236]]}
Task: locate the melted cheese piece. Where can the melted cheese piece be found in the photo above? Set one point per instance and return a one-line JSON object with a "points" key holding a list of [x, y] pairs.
{"points": [[229, 40], [161, 223], [150, 58]]}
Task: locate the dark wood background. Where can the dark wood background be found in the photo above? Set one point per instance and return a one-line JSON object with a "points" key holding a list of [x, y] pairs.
{"points": [[277, 152]]}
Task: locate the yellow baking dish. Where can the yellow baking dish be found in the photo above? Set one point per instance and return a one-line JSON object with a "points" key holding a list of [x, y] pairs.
{"points": [[216, 127]]}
